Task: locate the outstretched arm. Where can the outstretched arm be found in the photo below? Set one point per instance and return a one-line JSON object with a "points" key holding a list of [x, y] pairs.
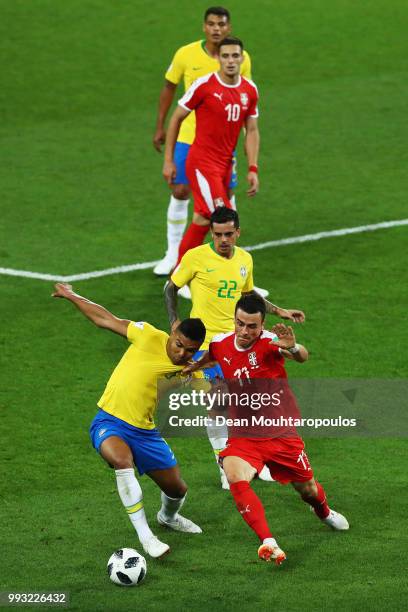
{"points": [[294, 315], [204, 361], [169, 168], [95, 313], [165, 100], [287, 343]]}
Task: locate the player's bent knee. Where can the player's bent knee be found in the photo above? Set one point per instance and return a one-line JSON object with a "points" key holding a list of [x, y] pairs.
{"points": [[181, 192], [121, 463], [116, 453], [306, 489]]}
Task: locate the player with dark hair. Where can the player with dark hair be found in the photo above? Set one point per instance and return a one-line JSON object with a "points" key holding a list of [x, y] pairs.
{"points": [[218, 273], [190, 62], [123, 431], [251, 353], [224, 102]]}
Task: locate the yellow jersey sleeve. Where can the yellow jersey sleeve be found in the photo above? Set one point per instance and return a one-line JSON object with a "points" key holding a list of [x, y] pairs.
{"points": [[185, 271], [135, 331], [249, 283], [246, 66], [175, 72]]}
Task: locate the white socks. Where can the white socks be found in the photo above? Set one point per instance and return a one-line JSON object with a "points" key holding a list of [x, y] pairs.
{"points": [[218, 436], [170, 506], [177, 214], [132, 498]]}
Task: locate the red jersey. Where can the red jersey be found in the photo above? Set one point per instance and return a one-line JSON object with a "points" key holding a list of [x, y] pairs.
{"points": [[262, 360], [221, 110], [252, 373]]}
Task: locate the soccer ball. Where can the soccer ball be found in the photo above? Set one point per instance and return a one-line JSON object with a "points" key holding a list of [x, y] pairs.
{"points": [[127, 567]]}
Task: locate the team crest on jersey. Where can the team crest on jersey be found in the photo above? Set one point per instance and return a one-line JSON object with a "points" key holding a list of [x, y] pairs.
{"points": [[243, 271], [219, 202], [244, 99], [252, 358]]}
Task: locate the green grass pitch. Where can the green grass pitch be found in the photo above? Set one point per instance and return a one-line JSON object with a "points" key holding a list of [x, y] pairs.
{"points": [[81, 190]]}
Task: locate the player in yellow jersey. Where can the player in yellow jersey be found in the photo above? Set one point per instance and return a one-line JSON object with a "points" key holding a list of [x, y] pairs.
{"points": [[189, 63], [218, 274], [123, 431]]}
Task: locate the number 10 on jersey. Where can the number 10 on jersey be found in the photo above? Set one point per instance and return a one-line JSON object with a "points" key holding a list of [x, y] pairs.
{"points": [[234, 111]]}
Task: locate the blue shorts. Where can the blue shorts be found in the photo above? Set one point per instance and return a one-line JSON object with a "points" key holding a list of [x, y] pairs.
{"points": [[209, 373], [149, 450], [180, 155]]}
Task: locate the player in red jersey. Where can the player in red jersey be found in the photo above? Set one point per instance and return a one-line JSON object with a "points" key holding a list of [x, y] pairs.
{"points": [[252, 353], [223, 102]]}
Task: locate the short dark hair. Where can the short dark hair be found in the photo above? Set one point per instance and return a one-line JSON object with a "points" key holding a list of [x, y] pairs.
{"points": [[193, 329], [217, 10], [251, 304], [231, 40], [222, 214]]}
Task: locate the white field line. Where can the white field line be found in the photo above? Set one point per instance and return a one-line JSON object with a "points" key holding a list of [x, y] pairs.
{"points": [[256, 247]]}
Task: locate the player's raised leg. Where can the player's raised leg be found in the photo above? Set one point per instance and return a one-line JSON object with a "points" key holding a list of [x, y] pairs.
{"points": [[240, 473], [313, 494], [118, 455], [209, 188], [173, 495]]}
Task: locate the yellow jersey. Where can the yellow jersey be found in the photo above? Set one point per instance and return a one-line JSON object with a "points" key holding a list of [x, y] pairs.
{"points": [[189, 63], [216, 284], [131, 393]]}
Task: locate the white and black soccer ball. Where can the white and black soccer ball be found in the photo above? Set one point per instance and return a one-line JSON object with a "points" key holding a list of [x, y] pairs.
{"points": [[127, 567]]}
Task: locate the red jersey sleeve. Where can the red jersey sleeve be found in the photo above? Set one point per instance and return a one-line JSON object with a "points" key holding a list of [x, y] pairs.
{"points": [[195, 94], [212, 351], [253, 108]]}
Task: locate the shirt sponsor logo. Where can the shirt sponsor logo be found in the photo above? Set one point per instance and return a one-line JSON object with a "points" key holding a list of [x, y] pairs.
{"points": [[218, 95], [101, 432], [228, 360], [243, 271]]}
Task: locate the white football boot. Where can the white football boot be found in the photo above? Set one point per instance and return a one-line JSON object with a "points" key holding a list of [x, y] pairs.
{"points": [[155, 548], [270, 550], [265, 474], [184, 292], [336, 521], [166, 265], [224, 480], [179, 523], [262, 292]]}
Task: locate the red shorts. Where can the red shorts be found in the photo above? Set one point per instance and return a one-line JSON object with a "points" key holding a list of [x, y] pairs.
{"points": [[209, 186], [285, 457]]}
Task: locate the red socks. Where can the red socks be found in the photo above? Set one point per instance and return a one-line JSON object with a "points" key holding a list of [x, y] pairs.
{"points": [[251, 509], [319, 503], [193, 237]]}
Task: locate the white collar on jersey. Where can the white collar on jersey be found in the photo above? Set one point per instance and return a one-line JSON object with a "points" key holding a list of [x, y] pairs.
{"points": [[243, 350], [265, 334], [225, 84]]}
